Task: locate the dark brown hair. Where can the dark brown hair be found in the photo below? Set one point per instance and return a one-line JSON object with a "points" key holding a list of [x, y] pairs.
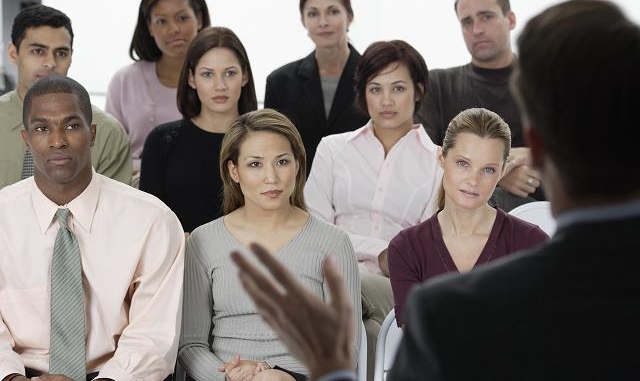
{"points": [[381, 54], [143, 44], [345, 3], [265, 120], [214, 37]]}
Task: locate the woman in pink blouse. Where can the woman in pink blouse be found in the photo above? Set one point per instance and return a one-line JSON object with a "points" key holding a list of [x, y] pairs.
{"points": [[383, 177], [466, 231]]}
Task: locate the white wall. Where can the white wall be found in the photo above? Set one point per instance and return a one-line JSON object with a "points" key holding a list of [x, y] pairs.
{"points": [[273, 35]]}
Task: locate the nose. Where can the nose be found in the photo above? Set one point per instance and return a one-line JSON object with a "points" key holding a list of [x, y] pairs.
{"points": [[386, 99], [477, 28], [220, 82], [173, 26], [271, 174], [473, 178], [323, 20], [57, 138], [50, 61]]}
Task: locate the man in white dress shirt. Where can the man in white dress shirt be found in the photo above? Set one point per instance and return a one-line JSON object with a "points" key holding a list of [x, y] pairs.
{"points": [[131, 251]]}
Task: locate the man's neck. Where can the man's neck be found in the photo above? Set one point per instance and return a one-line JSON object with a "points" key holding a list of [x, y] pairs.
{"points": [[498, 63]]}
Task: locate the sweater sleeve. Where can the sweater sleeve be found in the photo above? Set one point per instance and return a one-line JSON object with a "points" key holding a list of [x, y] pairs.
{"points": [[403, 272], [111, 153], [153, 166], [194, 353], [348, 265]]}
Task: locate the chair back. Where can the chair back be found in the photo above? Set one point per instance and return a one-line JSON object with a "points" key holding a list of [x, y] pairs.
{"points": [[386, 346], [538, 213]]}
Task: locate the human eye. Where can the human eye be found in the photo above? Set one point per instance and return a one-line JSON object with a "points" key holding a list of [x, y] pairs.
{"points": [[159, 21], [72, 126], [62, 53], [312, 14], [374, 89], [41, 128], [489, 170], [334, 11], [206, 73], [230, 73], [38, 51], [254, 164], [465, 23], [462, 163], [283, 162], [184, 17], [486, 16], [399, 88]]}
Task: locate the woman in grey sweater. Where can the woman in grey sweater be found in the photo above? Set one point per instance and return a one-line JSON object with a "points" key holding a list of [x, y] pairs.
{"points": [[263, 167]]}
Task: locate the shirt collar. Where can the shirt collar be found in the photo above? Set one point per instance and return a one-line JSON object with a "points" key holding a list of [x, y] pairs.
{"points": [[82, 207], [599, 213], [417, 133]]}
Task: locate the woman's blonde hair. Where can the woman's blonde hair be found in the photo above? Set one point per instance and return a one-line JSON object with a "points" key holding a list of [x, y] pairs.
{"points": [[265, 120], [480, 122]]}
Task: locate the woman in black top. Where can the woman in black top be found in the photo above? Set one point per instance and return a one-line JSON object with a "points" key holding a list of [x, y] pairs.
{"points": [[180, 164]]}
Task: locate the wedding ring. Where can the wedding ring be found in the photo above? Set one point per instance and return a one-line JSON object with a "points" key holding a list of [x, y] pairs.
{"points": [[530, 181]]}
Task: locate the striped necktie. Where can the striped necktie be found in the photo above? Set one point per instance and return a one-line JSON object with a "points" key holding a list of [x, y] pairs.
{"points": [[67, 353]]}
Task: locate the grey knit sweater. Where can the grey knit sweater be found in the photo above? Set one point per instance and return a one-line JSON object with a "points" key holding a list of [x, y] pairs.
{"points": [[219, 318]]}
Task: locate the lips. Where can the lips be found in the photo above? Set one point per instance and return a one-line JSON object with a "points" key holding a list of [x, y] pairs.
{"points": [[59, 159], [388, 114], [469, 193], [272, 193], [220, 99]]}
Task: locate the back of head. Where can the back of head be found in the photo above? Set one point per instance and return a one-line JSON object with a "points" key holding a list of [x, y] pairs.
{"points": [[35, 16], [381, 54], [264, 120], [57, 84], [143, 44], [577, 83], [189, 103]]}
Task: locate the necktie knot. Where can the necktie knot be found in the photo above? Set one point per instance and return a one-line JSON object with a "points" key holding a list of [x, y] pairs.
{"points": [[63, 217]]}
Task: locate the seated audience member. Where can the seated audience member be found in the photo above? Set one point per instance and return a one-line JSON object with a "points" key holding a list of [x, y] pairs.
{"points": [[262, 162], [316, 92], [486, 27], [142, 95], [564, 311], [180, 164], [42, 45], [466, 231], [91, 268], [381, 178]]}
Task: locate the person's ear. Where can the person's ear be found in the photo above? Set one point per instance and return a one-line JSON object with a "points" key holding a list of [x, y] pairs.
{"points": [[440, 156], [512, 20], [233, 171], [12, 51], [191, 80], [93, 128]]}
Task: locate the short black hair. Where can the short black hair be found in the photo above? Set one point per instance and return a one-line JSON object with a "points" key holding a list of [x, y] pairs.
{"points": [[34, 16], [57, 84], [577, 82], [381, 54]]}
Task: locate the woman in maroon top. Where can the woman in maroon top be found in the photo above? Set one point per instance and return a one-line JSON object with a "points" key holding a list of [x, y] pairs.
{"points": [[466, 231]]}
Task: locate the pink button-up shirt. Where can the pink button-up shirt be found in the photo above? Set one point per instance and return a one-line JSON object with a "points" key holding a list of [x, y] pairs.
{"points": [[372, 197], [132, 251]]}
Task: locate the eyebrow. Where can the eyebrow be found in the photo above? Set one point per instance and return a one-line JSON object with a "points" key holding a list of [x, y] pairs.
{"points": [[260, 157], [393, 83], [226, 68], [485, 165], [67, 119]]}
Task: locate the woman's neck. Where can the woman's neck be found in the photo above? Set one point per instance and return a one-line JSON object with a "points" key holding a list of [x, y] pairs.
{"points": [[455, 221], [214, 122], [331, 60], [256, 219], [168, 70]]}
